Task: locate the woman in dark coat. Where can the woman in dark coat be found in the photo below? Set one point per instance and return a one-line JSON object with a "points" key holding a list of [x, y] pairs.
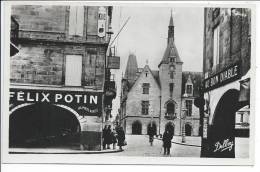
{"points": [[104, 135], [120, 137], [109, 137], [167, 142]]}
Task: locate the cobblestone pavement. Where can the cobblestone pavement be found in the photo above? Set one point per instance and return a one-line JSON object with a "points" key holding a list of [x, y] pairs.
{"points": [[138, 145]]}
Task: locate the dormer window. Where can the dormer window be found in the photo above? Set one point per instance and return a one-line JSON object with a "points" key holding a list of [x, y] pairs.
{"points": [[172, 59], [189, 89]]}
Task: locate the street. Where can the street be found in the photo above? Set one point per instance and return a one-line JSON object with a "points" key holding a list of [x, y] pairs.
{"points": [[138, 145]]}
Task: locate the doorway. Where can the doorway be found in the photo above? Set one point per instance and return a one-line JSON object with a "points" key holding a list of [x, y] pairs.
{"points": [[137, 128]]}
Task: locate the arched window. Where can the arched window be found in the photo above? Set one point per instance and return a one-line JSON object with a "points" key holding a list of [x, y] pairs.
{"points": [[170, 108]]}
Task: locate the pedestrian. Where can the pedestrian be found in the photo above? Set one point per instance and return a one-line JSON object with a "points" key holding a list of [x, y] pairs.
{"points": [[167, 142], [109, 137], [104, 135], [114, 138], [151, 133], [121, 137]]}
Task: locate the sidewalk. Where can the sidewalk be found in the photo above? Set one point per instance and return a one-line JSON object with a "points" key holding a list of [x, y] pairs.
{"points": [[58, 151], [189, 140]]}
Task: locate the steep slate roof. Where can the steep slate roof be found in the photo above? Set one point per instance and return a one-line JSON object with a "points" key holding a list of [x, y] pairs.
{"points": [[170, 51], [154, 73], [196, 78], [156, 76]]}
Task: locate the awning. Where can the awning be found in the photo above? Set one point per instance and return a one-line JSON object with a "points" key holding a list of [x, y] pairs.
{"points": [[244, 95]]}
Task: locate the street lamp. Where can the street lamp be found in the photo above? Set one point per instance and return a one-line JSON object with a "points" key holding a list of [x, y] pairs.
{"points": [[184, 110]]}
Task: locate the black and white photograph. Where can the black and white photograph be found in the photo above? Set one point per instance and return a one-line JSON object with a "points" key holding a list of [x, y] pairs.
{"points": [[142, 83]]}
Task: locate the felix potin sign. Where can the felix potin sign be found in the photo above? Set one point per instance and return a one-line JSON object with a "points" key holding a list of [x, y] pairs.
{"points": [[228, 75], [85, 103]]}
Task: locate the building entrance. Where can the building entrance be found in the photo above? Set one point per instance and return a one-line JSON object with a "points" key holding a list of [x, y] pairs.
{"points": [[137, 128], [43, 125], [188, 130]]}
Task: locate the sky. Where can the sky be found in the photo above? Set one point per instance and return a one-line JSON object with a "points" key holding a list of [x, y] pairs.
{"points": [[146, 33]]}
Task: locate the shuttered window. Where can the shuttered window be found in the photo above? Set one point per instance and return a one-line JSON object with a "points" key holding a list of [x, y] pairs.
{"points": [[76, 20], [73, 70]]}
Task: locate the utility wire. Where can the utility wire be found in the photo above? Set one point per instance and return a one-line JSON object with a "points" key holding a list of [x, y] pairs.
{"points": [[120, 30]]}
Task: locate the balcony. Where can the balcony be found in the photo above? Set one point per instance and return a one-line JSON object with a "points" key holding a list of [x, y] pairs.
{"points": [[169, 116]]}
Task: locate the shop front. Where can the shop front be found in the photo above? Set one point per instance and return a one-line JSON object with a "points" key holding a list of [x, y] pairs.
{"points": [[221, 94], [55, 118]]}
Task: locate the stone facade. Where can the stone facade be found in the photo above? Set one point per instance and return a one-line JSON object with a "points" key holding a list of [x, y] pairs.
{"points": [[136, 96], [44, 43], [166, 96], [232, 47]]}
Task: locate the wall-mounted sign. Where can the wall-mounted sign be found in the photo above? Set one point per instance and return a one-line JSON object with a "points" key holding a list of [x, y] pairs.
{"points": [[113, 62], [85, 103], [228, 75], [102, 15], [205, 128]]}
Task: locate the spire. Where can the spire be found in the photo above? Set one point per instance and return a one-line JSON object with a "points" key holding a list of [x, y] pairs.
{"points": [[170, 29], [171, 20]]}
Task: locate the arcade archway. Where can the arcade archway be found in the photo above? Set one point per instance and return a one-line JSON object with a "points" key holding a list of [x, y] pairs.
{"points": [[152, 126], [43, 125], [137, 128], [222, 131]]}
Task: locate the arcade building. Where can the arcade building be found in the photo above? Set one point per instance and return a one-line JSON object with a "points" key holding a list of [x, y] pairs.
{"points": [[226, 83], [60, 87]]}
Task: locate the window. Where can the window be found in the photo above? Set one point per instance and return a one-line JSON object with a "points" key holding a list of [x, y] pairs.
{"points": [[73, 70], [241, 118], [216, 46], [172, 69], [145, 107], [172, 75], [76, 20], [189, 107], [171, 109], [189, 89], [171, 86], [146, 87]]}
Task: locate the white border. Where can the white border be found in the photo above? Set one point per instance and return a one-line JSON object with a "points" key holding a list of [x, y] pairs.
{"points": [[99, 159]]}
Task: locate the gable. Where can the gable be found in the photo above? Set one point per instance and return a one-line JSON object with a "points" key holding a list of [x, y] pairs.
{"points": [[145, 79]]}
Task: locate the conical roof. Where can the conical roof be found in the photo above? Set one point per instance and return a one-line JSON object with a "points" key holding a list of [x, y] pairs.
{"points": [[171, 21], [131, 68], [171, 51]]}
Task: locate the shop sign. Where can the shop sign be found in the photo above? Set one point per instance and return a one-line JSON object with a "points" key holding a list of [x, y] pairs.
{"points": [[85, 103], [228, 75], [205, 128], [113, 62], [102, 21]]}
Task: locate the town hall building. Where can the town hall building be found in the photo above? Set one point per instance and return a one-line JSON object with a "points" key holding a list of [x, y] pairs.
{"points": [[162, 98]]}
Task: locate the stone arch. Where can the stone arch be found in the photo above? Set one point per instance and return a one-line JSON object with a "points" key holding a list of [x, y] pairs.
{"points": [[170, 107], [137, 127], [223, 124], [80, 118], [153, 126], [43, 125]]}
